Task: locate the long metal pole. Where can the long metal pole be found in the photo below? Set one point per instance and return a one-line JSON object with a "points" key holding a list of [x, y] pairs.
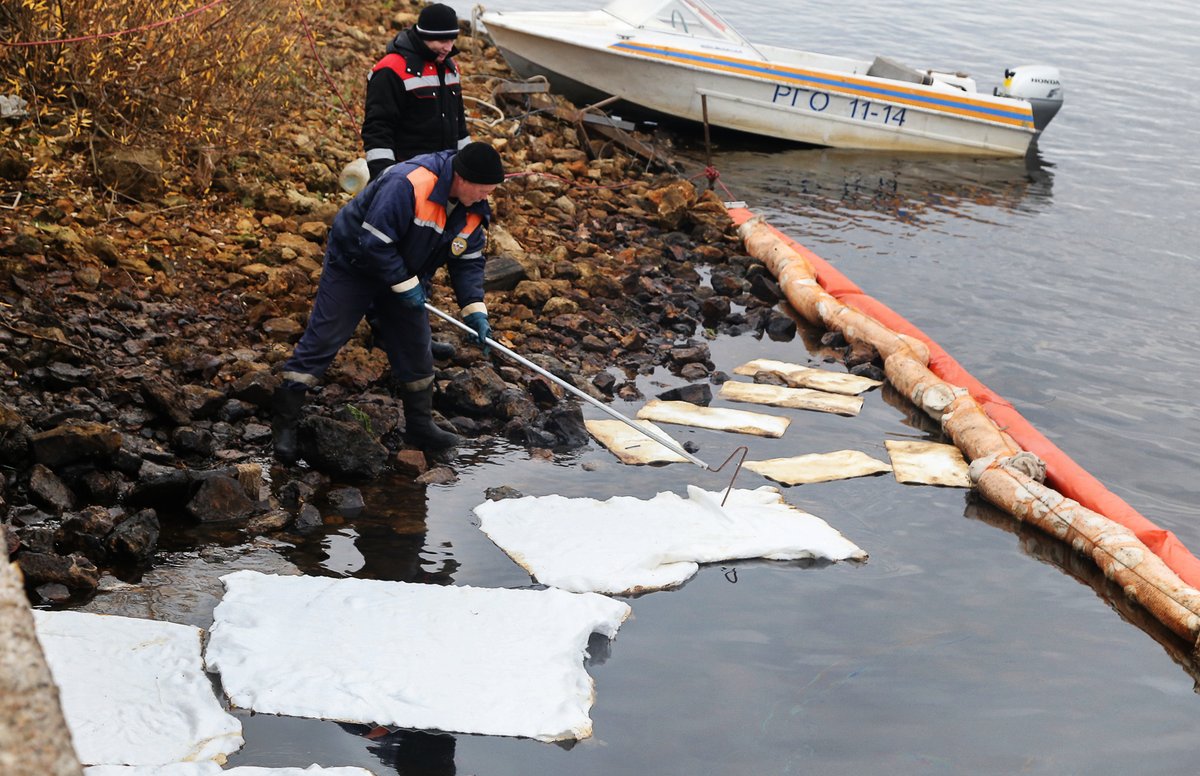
{"points": [[665, 441]]}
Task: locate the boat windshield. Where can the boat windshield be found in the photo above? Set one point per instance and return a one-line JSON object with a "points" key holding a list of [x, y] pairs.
{"points": [[684, 17]]}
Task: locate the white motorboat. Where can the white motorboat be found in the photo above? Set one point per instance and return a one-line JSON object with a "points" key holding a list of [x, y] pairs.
{"points": [[680, 59]]}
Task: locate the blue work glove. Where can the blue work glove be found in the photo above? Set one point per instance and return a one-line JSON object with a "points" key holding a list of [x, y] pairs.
{"points": [[413, 297], [479, 322]]}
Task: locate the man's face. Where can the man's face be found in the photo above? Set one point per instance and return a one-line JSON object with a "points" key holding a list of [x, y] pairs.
{"points": [[441, 48], [469, 193]]}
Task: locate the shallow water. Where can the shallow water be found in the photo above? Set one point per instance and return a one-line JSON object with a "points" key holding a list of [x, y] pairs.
{"points": [[965, 644]]}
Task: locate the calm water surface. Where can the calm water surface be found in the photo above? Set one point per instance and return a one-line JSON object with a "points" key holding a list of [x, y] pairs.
{"points": [[965, 645]]}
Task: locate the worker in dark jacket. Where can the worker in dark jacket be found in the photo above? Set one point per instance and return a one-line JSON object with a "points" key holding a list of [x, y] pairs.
{"points": [[383, 249], [414, 94]]}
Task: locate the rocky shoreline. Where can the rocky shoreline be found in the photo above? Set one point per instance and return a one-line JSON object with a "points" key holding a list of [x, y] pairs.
{"points": [[140, 336]]}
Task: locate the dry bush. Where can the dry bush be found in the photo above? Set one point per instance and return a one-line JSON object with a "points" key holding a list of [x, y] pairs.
{"points": [[192, 78]]}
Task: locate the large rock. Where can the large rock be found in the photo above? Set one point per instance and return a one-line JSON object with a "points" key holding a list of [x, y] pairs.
{"points": [[135, 172], [340, 447], [74, 571], [219, 498], [75, 441], [14, 437]]}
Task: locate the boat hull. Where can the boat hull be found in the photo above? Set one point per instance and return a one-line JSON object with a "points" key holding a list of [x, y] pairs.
{"points": [[804, 106]]}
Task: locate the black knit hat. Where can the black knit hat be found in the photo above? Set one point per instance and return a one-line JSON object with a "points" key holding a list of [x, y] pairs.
{"points": [[479, 163], [437, 22]]}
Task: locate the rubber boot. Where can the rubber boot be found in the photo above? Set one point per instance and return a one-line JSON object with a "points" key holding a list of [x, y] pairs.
{"points": [[442, 350], [419, 428], [285, 415]]}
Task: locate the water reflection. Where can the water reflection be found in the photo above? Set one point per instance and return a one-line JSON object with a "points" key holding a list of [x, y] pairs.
{"points": [[1035, 544], [409, 752], [904, 188]]}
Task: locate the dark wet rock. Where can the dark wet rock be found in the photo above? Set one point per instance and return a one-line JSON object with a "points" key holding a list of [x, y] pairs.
{"points": [[347, 502], [53, 593], [834, 339], [763, 286], [201, 402], [694, 394], [605, 382], [164, 398], [781, 328], [37, 538], [341, 448], [413, 461], [15, 435], [629, 392], [522, 432], [235, 410], [293, 493], [256, 434], [543, 392], [475, 391], [48, 491], [74, 441], [565, 424], [308, 518], [269, 522], [135, 538], [861, 353], [74, 571], [63, 377], [714, 310], [690, 354], [694, 372], [718, 377], [502, 492], [91, 521], [439, 475], [102, 487], [255, 387], [219, 498], [189, 441], [516, 406], [868, 370]]}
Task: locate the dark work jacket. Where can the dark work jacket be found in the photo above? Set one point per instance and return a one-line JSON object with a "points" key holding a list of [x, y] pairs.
{"points": [[414, 104], [398, 230]]}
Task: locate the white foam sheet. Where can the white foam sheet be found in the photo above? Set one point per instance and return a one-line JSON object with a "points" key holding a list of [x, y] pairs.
{"points": [[630, 445], [212, 769], [928, 463], [133, 691], [455, 659], [795, 398], [799, 376], [818, 467], [716, 418], [627, 545]]}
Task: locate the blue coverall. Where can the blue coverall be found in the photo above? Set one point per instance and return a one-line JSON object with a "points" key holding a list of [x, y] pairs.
{"points": [[393, 235]]}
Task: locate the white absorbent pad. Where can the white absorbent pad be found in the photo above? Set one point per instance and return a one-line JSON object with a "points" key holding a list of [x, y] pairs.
{"points": [[134, 692], [455, 659], [212, 769], [799, 376], [818, 467], [630, 445], [717, 418], [793, 398], [627, 545], [928, 463]]}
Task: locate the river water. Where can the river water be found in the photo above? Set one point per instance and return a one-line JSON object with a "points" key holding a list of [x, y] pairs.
{"points": [[965, 645]]}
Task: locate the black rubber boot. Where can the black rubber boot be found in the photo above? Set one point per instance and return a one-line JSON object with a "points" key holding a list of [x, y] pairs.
{"points": [[285, 415], [442, 350], [419, 428]]}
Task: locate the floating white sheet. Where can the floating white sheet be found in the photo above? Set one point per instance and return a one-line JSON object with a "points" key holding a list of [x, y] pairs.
{"points": [[629, 445], [628, 545], [799, 376], [456, 659], [134, 692], [928, 463], [717, 418], [794, 398], [818, 467], [212, 769]]}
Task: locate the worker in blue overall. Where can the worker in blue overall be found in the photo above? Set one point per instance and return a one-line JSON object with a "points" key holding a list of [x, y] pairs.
{"points": [[382, 252]]}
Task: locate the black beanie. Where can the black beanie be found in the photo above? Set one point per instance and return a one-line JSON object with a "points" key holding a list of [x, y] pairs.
{"points": [[437, 22], [479, 163]]}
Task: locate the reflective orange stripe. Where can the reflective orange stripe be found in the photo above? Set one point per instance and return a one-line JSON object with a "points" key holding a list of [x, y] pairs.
{"points": [[428, 213]]}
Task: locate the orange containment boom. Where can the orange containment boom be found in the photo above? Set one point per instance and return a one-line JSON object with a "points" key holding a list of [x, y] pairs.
{"points": [[1151, 563]]}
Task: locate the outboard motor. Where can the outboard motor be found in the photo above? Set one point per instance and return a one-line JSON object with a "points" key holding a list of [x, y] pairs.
{"points": [[1039, 85]]}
